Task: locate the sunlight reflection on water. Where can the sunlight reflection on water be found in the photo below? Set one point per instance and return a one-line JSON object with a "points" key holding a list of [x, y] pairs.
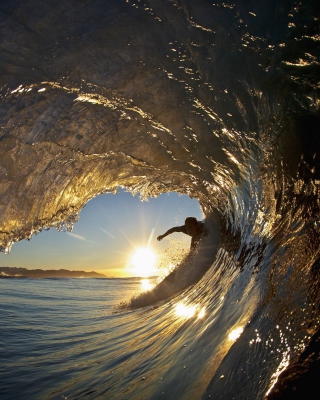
{"points": [[146, 285], [235, 333], [189, 311]]}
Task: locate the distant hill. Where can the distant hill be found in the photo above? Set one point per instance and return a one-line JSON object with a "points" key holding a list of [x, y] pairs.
{"points": [[12, 272]]}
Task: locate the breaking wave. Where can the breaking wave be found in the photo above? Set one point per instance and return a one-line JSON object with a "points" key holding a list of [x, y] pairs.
{"points": [[217, 101]]}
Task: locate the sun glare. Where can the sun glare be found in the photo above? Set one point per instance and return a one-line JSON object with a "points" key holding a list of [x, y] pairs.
{"points": [[235, 333], [189, 310], [146, 285], [143, 262]]}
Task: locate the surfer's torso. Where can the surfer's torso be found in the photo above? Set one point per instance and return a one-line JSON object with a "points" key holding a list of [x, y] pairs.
{"points": [[196, 233]]}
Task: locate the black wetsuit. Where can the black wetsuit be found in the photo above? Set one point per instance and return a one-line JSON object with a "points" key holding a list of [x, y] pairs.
{"points": [[195, 238]]}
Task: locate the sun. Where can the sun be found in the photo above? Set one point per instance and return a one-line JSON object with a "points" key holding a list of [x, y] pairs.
{"points": [[143, 262]]}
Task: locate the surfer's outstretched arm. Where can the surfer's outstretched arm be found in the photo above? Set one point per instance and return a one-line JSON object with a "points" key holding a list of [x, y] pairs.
{"points": [[172, 230]]}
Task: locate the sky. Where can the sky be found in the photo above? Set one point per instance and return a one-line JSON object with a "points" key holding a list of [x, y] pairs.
{"points": [[109, 231]]}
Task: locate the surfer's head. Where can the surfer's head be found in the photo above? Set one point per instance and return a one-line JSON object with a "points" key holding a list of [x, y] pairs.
{"points": [[191, 225]]}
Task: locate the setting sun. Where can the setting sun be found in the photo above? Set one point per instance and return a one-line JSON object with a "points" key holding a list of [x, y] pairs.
{"points": [[143, 262]]}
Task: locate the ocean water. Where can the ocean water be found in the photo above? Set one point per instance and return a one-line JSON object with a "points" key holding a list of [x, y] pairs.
{"points": [[56, 332], [216, 100]]}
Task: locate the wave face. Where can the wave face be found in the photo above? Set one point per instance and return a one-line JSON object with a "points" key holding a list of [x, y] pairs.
{"points": [[218, 101]]}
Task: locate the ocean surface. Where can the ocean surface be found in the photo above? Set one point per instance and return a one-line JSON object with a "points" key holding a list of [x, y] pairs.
{"points": [[217, 100], [56, 333]]}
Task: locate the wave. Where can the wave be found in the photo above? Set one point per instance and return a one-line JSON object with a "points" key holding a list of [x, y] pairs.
{"points": [[217, 101]]}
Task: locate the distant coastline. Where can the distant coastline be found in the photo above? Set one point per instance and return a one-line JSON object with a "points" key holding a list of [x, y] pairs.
{"points": [[15, 272]]}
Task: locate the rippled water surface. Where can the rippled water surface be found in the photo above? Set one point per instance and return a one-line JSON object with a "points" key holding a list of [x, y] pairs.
{"points": [[219, 101]]}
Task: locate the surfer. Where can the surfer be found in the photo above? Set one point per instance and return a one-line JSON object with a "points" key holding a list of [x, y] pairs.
{"points": [[191, 227]]}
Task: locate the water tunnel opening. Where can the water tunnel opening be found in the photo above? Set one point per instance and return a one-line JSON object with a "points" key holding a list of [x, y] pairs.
{"points": [[116, 235]]}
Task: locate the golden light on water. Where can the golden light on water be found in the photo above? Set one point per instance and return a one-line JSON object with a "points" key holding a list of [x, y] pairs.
{"points": [[146, 285], [186, 311], [235, 333], [189, 311], [202, 312], [282, 366], [143, 262]]}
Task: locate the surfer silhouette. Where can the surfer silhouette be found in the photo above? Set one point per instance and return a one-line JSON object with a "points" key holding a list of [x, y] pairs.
{"points": [[191, 227]]}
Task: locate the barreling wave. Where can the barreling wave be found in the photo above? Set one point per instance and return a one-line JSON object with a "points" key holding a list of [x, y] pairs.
{"points": [[209, 100]]}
